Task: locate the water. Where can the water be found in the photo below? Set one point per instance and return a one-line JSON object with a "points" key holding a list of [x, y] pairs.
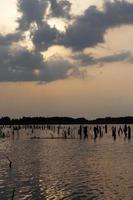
{"points": [[72, 169]]}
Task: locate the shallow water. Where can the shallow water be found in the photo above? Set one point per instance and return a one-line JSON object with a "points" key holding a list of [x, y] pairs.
{"points": [[73, 169]]}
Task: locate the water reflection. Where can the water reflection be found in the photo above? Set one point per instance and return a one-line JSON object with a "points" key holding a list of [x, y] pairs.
{"points": [[66, 169]]}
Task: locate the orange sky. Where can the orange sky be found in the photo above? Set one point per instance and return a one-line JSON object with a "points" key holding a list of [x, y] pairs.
{"points": [[107, 91]]}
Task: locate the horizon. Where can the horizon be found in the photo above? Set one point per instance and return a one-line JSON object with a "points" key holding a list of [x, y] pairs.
{"points": [[69, 117]]}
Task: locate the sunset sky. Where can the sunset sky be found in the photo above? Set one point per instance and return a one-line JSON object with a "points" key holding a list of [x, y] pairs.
{"points": [[66, 58]]}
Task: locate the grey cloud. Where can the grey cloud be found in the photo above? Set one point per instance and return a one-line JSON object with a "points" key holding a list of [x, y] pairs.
{"points": [[19, 65], [60, 8], [10, 38], [88, 60], [45, 37], [89, 29], [35, 11], [32, 12], [125, 56], [118, 12], [83, 59], [25, 65], [25, 59], [86, 31], [57, 68]]}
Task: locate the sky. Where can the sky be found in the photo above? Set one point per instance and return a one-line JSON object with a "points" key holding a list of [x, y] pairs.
{"points": [[66, 58]]}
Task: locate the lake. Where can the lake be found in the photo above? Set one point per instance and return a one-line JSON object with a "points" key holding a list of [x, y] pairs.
{"points": [[65, 169]]}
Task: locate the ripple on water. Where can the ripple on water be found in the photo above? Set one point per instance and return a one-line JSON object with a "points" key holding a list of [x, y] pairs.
{"points": [[67, 170]]}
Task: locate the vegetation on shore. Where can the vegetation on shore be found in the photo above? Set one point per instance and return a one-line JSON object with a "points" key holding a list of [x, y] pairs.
{"points": [[64, 120]]}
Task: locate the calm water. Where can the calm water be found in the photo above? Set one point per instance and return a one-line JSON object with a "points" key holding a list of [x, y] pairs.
{"points": [[66, 169]]}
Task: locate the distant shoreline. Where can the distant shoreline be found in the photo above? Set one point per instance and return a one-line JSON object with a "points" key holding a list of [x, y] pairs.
{"points": [[63, 120]]}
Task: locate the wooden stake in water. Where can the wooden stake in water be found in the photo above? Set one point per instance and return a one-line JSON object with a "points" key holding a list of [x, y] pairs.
{"points": [[10, 162], [13, 194]]}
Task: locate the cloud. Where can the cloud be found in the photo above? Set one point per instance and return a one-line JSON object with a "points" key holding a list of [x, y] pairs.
{"points": [[57, 68], [45, 37], [25, 59], [83, 59], [60, 8], [120, 57], [25, 65], [35, 11], [19, 65], [88, 60], [32, 12], [85, 31], [10, 38], [89, 29]]}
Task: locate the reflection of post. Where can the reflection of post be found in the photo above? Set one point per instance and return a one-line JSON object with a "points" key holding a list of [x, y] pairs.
{"points": [[58, 130], [95, 132], [80, 132], [106, 128], [114, 132], [13, 194], [10, 162], [85, 132], [129, 132]]}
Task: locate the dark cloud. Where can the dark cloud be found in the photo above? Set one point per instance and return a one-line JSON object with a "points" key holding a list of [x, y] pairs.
{"points": [[83, 59], [120, 57], [89, 29], [10, 38], [32, 19], [25, 65], [88, 60], [57, 68], [117, 13], [32, 12], [35, 11], [45, 37], [25, 59], [60, 8], [19, 65]]}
